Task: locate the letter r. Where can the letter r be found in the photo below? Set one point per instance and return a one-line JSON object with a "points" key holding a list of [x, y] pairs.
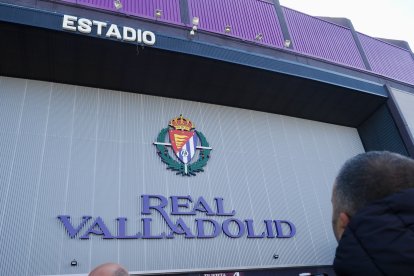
{"points": [[146, 204]]}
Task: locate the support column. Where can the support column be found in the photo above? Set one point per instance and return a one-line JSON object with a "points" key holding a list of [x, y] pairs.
{"points": [[283, 24], [184, 12]]}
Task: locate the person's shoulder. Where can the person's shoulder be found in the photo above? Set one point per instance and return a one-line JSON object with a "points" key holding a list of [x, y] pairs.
{"points": [[351, 258], [379, 238]]}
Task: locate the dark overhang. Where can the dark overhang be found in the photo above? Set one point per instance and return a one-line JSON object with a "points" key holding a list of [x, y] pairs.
{"points": [[35, 46]]}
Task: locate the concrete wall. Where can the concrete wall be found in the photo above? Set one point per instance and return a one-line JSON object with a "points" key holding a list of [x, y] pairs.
{"points": [[70, 150]]}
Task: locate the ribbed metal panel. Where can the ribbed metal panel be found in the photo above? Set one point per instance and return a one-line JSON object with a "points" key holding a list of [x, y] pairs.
{"points": [[387, 59], [379, 132], [90, 153], [319, 38], [142, 8], [246, 19]]}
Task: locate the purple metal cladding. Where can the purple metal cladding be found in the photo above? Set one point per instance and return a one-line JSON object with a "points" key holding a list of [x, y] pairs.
{"points": [[387, 59], [247, 19], [316, 37], [143, 8]]}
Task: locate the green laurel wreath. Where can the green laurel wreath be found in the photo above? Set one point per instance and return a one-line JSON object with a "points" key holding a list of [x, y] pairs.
{"points": [[173, 165]]}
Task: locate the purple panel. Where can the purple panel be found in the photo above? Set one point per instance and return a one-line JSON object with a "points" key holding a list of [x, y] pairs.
{"points": [[387, 59], [142, 8], [316, 37], [247, 19]]}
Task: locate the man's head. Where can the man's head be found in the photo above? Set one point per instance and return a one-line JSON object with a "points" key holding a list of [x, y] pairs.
{"points": [[365, 178], [109, 269]]}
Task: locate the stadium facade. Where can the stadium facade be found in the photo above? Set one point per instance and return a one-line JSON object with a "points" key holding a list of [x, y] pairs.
{"points": [[185, 136]]}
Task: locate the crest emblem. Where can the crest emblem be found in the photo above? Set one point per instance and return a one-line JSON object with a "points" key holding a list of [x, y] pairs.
{"points": [[184, 141]]}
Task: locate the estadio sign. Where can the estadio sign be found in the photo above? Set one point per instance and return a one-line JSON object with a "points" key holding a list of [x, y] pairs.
{"points": [[171, 210], [100, 28]]}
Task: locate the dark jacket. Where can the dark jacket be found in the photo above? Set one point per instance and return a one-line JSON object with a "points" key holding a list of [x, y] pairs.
{"points": [[379, 240]]}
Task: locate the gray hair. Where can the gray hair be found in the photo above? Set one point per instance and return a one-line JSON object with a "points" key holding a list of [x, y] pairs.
{"points": [[371, 176]]}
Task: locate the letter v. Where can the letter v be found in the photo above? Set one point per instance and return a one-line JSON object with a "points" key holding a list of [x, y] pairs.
{"points": [[71, 230]]}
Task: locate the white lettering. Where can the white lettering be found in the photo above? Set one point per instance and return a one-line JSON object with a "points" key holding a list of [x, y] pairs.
{"points": [[139, 36], [84, 25], [68, 22], [113, 31], [99, 25], [129, 34], [150, 35]]}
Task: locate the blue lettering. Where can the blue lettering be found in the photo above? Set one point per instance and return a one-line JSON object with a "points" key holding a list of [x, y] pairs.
{"points": [[202, 206], [102, 230], [200, 228], [240, 226], [146, 206], [279, 229], [122, 230], [269, 229], [184, 229], [175, 205], [69, 228], [147, 230], [182, 205], [146, 209], [220, 208], [250, 230]]}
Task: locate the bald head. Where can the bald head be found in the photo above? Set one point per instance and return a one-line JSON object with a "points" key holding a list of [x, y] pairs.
{"points": [[109, 269]]}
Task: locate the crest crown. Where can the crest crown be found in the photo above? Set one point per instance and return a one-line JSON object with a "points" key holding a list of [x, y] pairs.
{"points": [[181, 123]]}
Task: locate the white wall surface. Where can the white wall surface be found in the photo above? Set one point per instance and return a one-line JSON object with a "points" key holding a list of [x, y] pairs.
{"points": [[70, 150], [405, 102]]}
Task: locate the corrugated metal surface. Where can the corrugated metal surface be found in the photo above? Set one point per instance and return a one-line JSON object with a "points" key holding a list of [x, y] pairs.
{"points": [[143, 8], [249, 19], [246, 18], [387, 59], [379, 132], [82, 151], [316, 37]]}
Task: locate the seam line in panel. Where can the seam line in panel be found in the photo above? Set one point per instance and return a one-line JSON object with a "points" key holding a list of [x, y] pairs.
{"points": [[208, 178], [326, 182], [301, 197], [38, 182], [278, 169], [248, 189], [228, 179], [119, 146], [14, 157], [261, 168], [94, 173], [143, 170], [166, 181], [306, 216], [68, 174]]}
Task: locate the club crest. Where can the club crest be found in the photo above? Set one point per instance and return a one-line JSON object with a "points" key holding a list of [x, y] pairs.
{"points": [[185, 141]]}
